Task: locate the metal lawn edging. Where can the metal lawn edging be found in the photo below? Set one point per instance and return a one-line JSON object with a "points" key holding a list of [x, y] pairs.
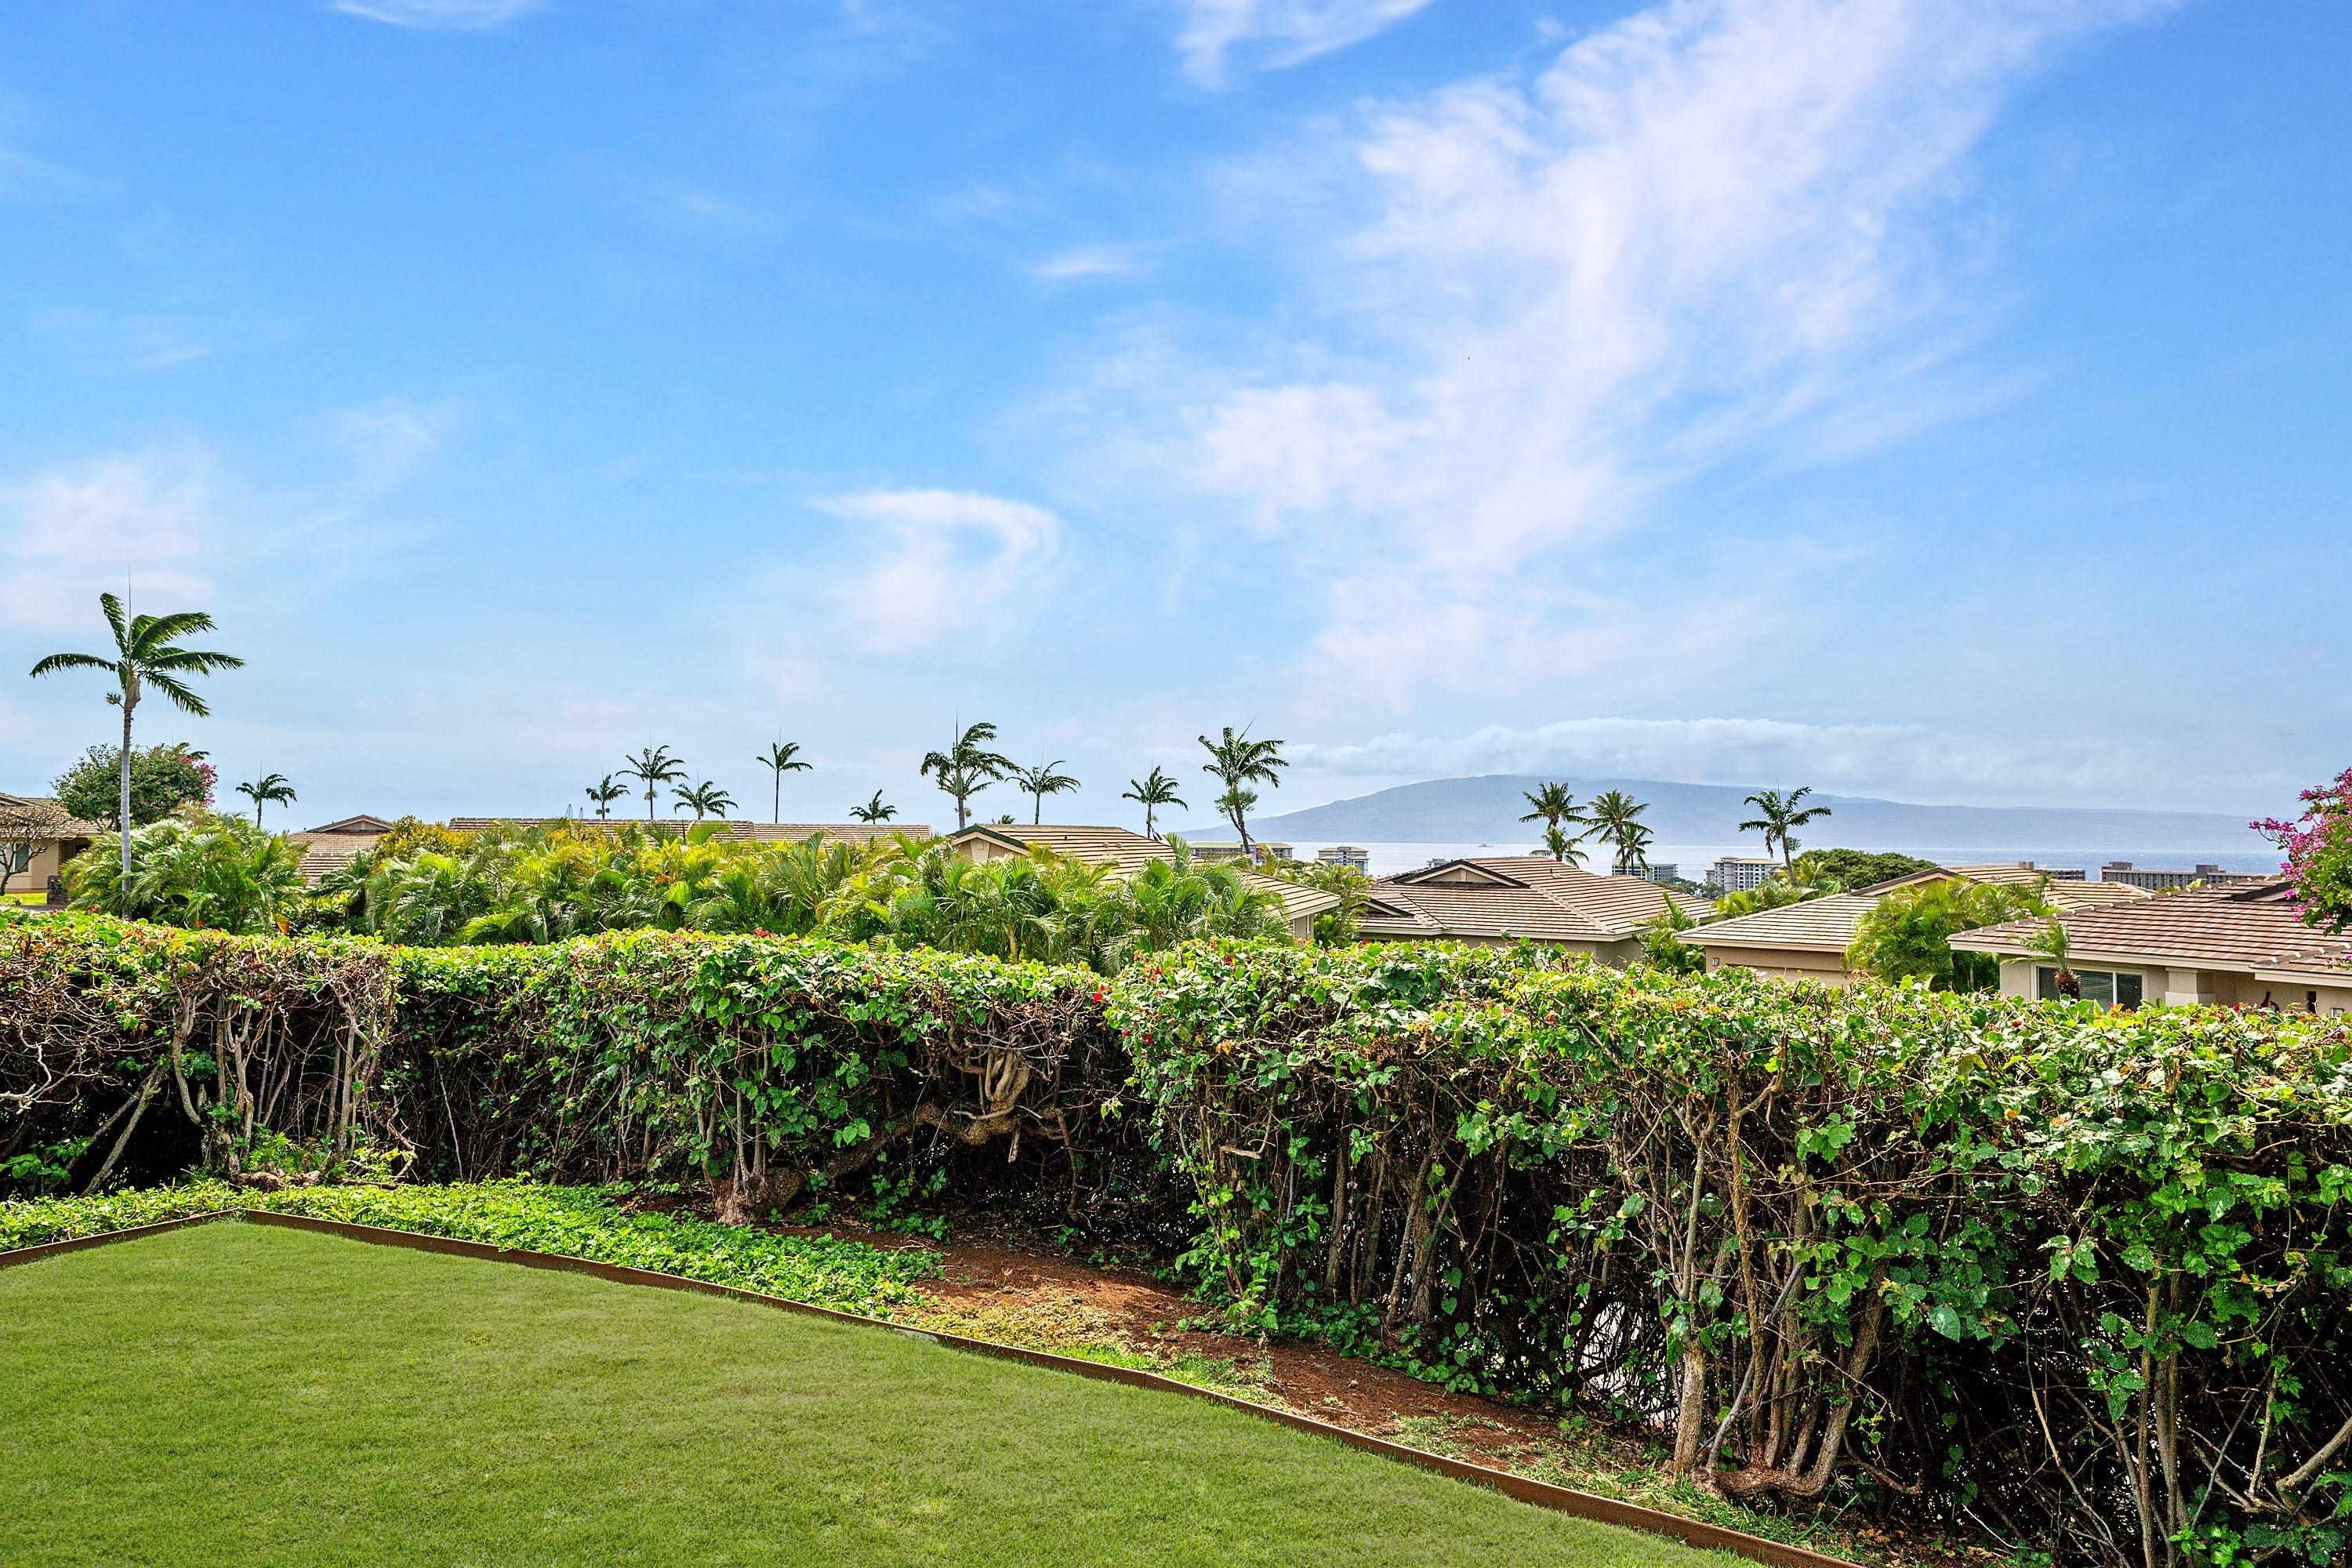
{"points": [[1695, 1532]]}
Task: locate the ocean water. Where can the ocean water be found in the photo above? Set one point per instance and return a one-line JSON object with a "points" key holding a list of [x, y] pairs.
{"points": [[1692, 860]]}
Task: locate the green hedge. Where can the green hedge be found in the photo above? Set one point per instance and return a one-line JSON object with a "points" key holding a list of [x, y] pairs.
{"points": [[770, 1066], [2078, 1281], [571, 1222], [2081, 1279]]}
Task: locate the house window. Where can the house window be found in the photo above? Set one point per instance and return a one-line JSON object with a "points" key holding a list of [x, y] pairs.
{"points": [[2109, 988]]}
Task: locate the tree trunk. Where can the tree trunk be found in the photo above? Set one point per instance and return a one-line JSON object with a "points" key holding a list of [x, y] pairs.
{"points": [[122, 812]]}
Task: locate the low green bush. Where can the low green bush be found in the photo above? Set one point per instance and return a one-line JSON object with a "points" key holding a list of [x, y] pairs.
{"points": [[571, 1222]]}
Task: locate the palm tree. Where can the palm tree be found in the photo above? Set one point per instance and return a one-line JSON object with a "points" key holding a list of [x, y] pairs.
{"points": [[2052, 944], [705, 799], [1561, 846], [1151, 792], [1042, 780], [145, 654], [1556, 809], [1776, 818], [779, 762], [271, 789], [603, 793], [874, 810], [1611, 814], [1239, 761], [653, 767], [966, 767]]}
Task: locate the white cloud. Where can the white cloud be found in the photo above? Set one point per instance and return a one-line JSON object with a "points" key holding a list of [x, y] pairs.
{"points": [[440, 16], [924, 564], [1277, 33], [1086, 262], [387, 440], [1719, 232], [1904, 761], [72, 532]]}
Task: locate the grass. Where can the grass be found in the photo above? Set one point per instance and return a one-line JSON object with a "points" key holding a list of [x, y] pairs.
{"points": [[239, 1393]]}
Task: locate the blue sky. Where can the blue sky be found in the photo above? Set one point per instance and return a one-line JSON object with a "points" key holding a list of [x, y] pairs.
{"points": [[1935, 400]]}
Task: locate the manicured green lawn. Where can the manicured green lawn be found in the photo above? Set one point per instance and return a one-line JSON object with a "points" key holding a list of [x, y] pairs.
{"points": [[235, 1393]]}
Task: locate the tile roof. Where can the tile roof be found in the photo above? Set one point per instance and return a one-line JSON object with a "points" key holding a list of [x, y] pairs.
{"points": [[1827, 924], [1529, 896], [2251, 930], [44, 810], [1816, 925], [759, 832], [2062, 892], [1130, 852]]}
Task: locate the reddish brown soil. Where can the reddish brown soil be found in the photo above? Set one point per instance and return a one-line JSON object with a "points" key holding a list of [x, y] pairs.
{"points": [[1002, 1277]]}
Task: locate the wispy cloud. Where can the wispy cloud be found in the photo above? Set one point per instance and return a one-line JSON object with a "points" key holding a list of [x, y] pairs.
{"points": [[136, 342], [1086, 262], [71, 533], [924, 564], [388, 440], [1905, 761], [1719, 231], [26, 176], [441, 16], [1273, 34]]}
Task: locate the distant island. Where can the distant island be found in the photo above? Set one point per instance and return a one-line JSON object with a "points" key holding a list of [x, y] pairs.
{"points": [[1487, 809]]}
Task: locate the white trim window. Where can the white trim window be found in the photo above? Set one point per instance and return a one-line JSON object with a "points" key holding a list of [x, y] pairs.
{"points": [[2123, 989]]}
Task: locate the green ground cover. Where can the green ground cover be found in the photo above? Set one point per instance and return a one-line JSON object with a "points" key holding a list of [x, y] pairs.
{"points": [[237, 1393]]}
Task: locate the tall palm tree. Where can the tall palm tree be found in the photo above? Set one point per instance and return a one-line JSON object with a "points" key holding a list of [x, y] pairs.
{"points": [[1561, 846], [1776, 818], [271, 789], [966, 767], [1612, 813], [705, 799], [1151, 792], [653, 767], [874, 810], [145, 655], [1040, 782], [603, 793], [779, 762], [1239, 761], [1556, 809]]}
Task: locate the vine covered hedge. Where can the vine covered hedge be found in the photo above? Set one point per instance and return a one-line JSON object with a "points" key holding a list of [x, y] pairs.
{"points": [[768, 1067], [2075, 1281]]}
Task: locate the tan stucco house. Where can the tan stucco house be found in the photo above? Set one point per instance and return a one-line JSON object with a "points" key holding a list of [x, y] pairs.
{"points": [[37, 837], [1521, 897], [1808, 941], [2235, 947], [1125, 853]]}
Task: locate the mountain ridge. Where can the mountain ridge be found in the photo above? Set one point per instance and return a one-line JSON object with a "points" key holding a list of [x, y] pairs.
{"points": [[1487, 808]]}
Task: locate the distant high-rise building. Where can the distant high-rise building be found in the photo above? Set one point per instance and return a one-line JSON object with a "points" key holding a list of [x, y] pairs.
{"points": [[1354, 855], [1739, 873], [2156, 879], [1659, 871]]}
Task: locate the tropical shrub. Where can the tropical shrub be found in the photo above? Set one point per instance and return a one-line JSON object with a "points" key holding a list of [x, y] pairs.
{"points": [[196, 868], [163, 778], [1907, 934], [426, 887], [1848, 870], [2318, 846]]}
